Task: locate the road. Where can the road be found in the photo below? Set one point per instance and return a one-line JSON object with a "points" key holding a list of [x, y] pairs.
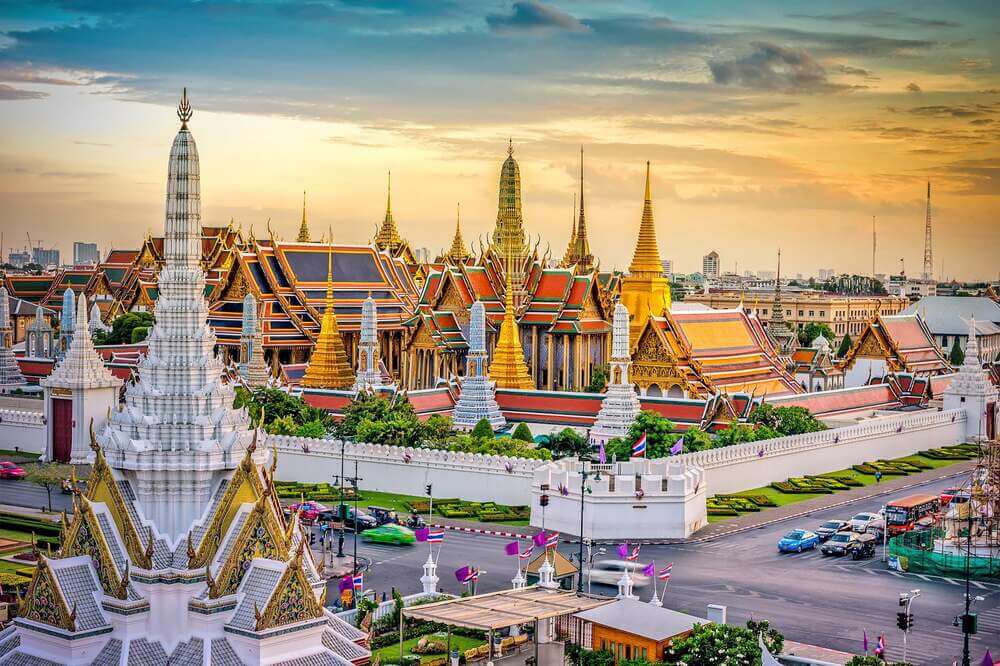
{"points": [[24, 493], [810, 598]]}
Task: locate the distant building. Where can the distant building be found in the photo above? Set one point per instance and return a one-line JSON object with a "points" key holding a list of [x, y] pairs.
{"points": [[766, 275], [710, 265], [668, 267], [85, 253], [19, 259], [634, 630], [948, 318], [911, 288], [45, 256], [826, 273]]}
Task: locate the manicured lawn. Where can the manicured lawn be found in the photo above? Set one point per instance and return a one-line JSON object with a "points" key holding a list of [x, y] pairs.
{"points": [[398, 503], [16, 535], [12, 567], [7, 453], [390, 653]]}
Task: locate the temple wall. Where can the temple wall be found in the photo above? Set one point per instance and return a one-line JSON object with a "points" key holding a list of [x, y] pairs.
{"points": [[470, 476], [744, 466], [23, 430]]}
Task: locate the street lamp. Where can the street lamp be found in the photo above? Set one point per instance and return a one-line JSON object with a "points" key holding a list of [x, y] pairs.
{"points": [[904, 619], [340, 503], [584, 491]]}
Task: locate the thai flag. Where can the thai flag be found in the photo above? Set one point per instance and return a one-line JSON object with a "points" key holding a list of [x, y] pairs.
{"points": [[358, 582], [639, 448], [436, 536], [467, 574], [526, 554], [634, 554], [665, 571], [551, 540]]}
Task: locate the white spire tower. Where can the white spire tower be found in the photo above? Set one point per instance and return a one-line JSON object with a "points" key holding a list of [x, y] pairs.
{"points": [[478, 398], [620, 405], [369, 374], [10, 372], [66, 326], [252, 367], [178, 431], [972, 391]]}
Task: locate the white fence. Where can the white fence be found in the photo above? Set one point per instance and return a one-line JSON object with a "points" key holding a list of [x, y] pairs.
{"points": [[22, 430], [735, 468], [470, 476]]}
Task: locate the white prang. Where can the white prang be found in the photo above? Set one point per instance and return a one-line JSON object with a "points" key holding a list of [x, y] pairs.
{"points": [[478, 398], [252, 367], [369, 373], [177, 430], [10, 372], [621, 404], [972, 391], [82, 378]]}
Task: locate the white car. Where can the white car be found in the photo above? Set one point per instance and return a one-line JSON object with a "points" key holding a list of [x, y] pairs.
{"points": [[862, 521], [609, 572]]}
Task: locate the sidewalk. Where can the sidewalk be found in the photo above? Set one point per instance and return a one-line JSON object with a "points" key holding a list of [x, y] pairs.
{"points": [[751, 521], [30, 512]]}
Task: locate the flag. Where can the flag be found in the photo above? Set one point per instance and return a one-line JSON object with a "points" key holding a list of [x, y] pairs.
{"points": [[766, 658], [649, 570], [513, 548], [665, 571], [678, 447], [623, 550], [467, 574], [602, 455], [358, 581], [639, 448], [634, 555], [526, 554], [437, 536], [539, 539], [880, 647], [865, 641], [552, 540], [421, 533], [346, 583], [987, 659]]}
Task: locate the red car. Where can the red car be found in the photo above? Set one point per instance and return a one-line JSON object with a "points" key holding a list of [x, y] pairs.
{"points": [[9, 470], [310, 510]]}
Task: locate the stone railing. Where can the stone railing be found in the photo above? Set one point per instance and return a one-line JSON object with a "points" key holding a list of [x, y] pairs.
{"points": [[21, 417]]}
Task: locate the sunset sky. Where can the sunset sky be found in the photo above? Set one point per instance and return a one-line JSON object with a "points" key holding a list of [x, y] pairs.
{"points": [[767, 123]]}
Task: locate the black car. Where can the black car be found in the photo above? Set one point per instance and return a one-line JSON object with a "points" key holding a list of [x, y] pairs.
{"points": [[830, 527], [839, 544], [357, 523]]}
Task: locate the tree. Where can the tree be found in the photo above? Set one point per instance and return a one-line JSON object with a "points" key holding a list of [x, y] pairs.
{"points": [[523, 433], [724, 645], [813, 330], [957, 356], [129, 328], [278, 406], [598, 379], [845, 345], [659, 434], [370, 406], [483, 430], [438, 428], [49, 476], [567, 442], [786, 420]]}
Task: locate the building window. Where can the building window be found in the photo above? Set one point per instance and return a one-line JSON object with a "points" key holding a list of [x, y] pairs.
{"points": [[812, 313], [944, 341], [822, 313], [800, 313]]}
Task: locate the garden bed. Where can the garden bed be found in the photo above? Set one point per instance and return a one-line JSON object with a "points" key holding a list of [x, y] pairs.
{"points": [[390, 653]]}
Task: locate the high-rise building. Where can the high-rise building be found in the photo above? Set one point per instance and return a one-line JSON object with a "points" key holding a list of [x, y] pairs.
{"points": [[45, 256], [85, 253], [668, 267], [19, 259], [710, 265]]}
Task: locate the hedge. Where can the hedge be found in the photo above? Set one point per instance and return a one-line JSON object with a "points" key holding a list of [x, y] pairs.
{"points": [[786, 487], [25, 524]]}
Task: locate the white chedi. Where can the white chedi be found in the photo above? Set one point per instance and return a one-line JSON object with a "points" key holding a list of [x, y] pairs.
{"points": [[620, 404], [478, 398], [369, 373]]}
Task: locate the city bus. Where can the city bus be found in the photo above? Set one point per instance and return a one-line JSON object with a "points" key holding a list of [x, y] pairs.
{"points": [[904, 514]]}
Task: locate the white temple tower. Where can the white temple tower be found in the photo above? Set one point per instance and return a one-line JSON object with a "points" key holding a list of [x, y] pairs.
{"points": [[252, 367], [369, 372], [39, 339], [972, 391], [66, 326], [621, 404], [79, 393], [478, 398], [10, 372]]}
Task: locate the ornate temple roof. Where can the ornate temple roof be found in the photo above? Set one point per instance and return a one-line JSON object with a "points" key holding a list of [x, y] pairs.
{"points": [[387, 238], [303, 236], [904, 341]]}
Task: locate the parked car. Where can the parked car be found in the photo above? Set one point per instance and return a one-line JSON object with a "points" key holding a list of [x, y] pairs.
{"points": [[389, 533], [840, 543], [310, 510], [863, 547], [862, 521], [609, 572], [362, 521], [9, 470], [954, 496], [831, 527], [797, 540]]}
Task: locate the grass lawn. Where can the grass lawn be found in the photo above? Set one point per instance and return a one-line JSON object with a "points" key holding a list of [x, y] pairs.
{"points": [[8, 453], [390, 653], [12, 567], [16, 535], [398, 503]]}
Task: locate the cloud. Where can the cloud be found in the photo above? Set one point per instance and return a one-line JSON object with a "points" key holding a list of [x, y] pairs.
{"points": [[855, 71], [913, 87], [981, 177], [29, 75], [772, 67], [951, 111], [879, 18], [981, 121], [8, 93], [975, 63], [531, 16]]}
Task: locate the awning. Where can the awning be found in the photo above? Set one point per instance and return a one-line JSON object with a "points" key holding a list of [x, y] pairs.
{"points": [[505, 608]]}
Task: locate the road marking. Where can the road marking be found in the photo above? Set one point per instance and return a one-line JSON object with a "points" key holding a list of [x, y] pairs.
{"points": [[977, 584]]}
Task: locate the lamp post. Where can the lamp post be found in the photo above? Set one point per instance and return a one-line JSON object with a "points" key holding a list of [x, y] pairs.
{"points": [[340, 503], [584, 490]]}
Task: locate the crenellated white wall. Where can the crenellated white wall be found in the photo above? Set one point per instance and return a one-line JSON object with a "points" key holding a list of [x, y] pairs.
{"points": [[470, 476], [22, 429]]}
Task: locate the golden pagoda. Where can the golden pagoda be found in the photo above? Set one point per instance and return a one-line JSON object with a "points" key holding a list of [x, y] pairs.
{"points": [[387, 237], [328, 367], [457, 253], [303, 236], [645, 291], [509, 369]]}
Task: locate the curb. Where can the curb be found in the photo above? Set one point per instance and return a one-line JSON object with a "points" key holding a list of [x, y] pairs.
{"points": [[474, 530], [747, 528]]}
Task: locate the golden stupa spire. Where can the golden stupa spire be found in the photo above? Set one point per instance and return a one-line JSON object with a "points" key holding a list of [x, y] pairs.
{"points": [[303, 236], [388, 237], [328, 367], [647, 254], [457, 252], [509, 369], [569, 257]]}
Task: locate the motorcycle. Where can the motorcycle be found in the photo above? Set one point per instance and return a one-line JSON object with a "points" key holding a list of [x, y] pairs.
{"points": [[415, 522]]}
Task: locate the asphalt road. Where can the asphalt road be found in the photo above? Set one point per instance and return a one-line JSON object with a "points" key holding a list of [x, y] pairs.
{"points": [[813, 599], [23, 493]]}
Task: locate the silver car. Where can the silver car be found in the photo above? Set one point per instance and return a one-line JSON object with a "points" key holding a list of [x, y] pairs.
{"points": [[609, 572]]}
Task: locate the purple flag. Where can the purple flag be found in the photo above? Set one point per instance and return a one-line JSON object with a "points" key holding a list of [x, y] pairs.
{"points": [[678, 447], [865, 640], [602, 455], [462, 575], [513, 548], [623, 550], [649, 569], [346, 583], [421, 533], [539, 539], [987, 659]]}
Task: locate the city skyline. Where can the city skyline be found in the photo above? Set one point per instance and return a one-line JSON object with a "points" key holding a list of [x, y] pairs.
{"points": [[768, 128]]}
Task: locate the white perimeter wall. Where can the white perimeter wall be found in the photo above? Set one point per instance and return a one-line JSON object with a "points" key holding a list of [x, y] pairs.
{"points": [[741, 467], [469, 476], [22, 429]]}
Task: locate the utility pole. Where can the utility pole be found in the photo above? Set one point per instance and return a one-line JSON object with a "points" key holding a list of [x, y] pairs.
{"points": [[340, 504]]}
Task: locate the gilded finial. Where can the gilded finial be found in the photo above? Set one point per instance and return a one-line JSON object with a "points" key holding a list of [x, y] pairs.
{"points": [[303, 236], [510, 147], [184, 111], [122, 591]]}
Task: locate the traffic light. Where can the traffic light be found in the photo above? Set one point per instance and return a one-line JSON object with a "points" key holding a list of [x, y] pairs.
{"points": [[904, 620], [544, 500], [428, 488], [970, 623]]}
